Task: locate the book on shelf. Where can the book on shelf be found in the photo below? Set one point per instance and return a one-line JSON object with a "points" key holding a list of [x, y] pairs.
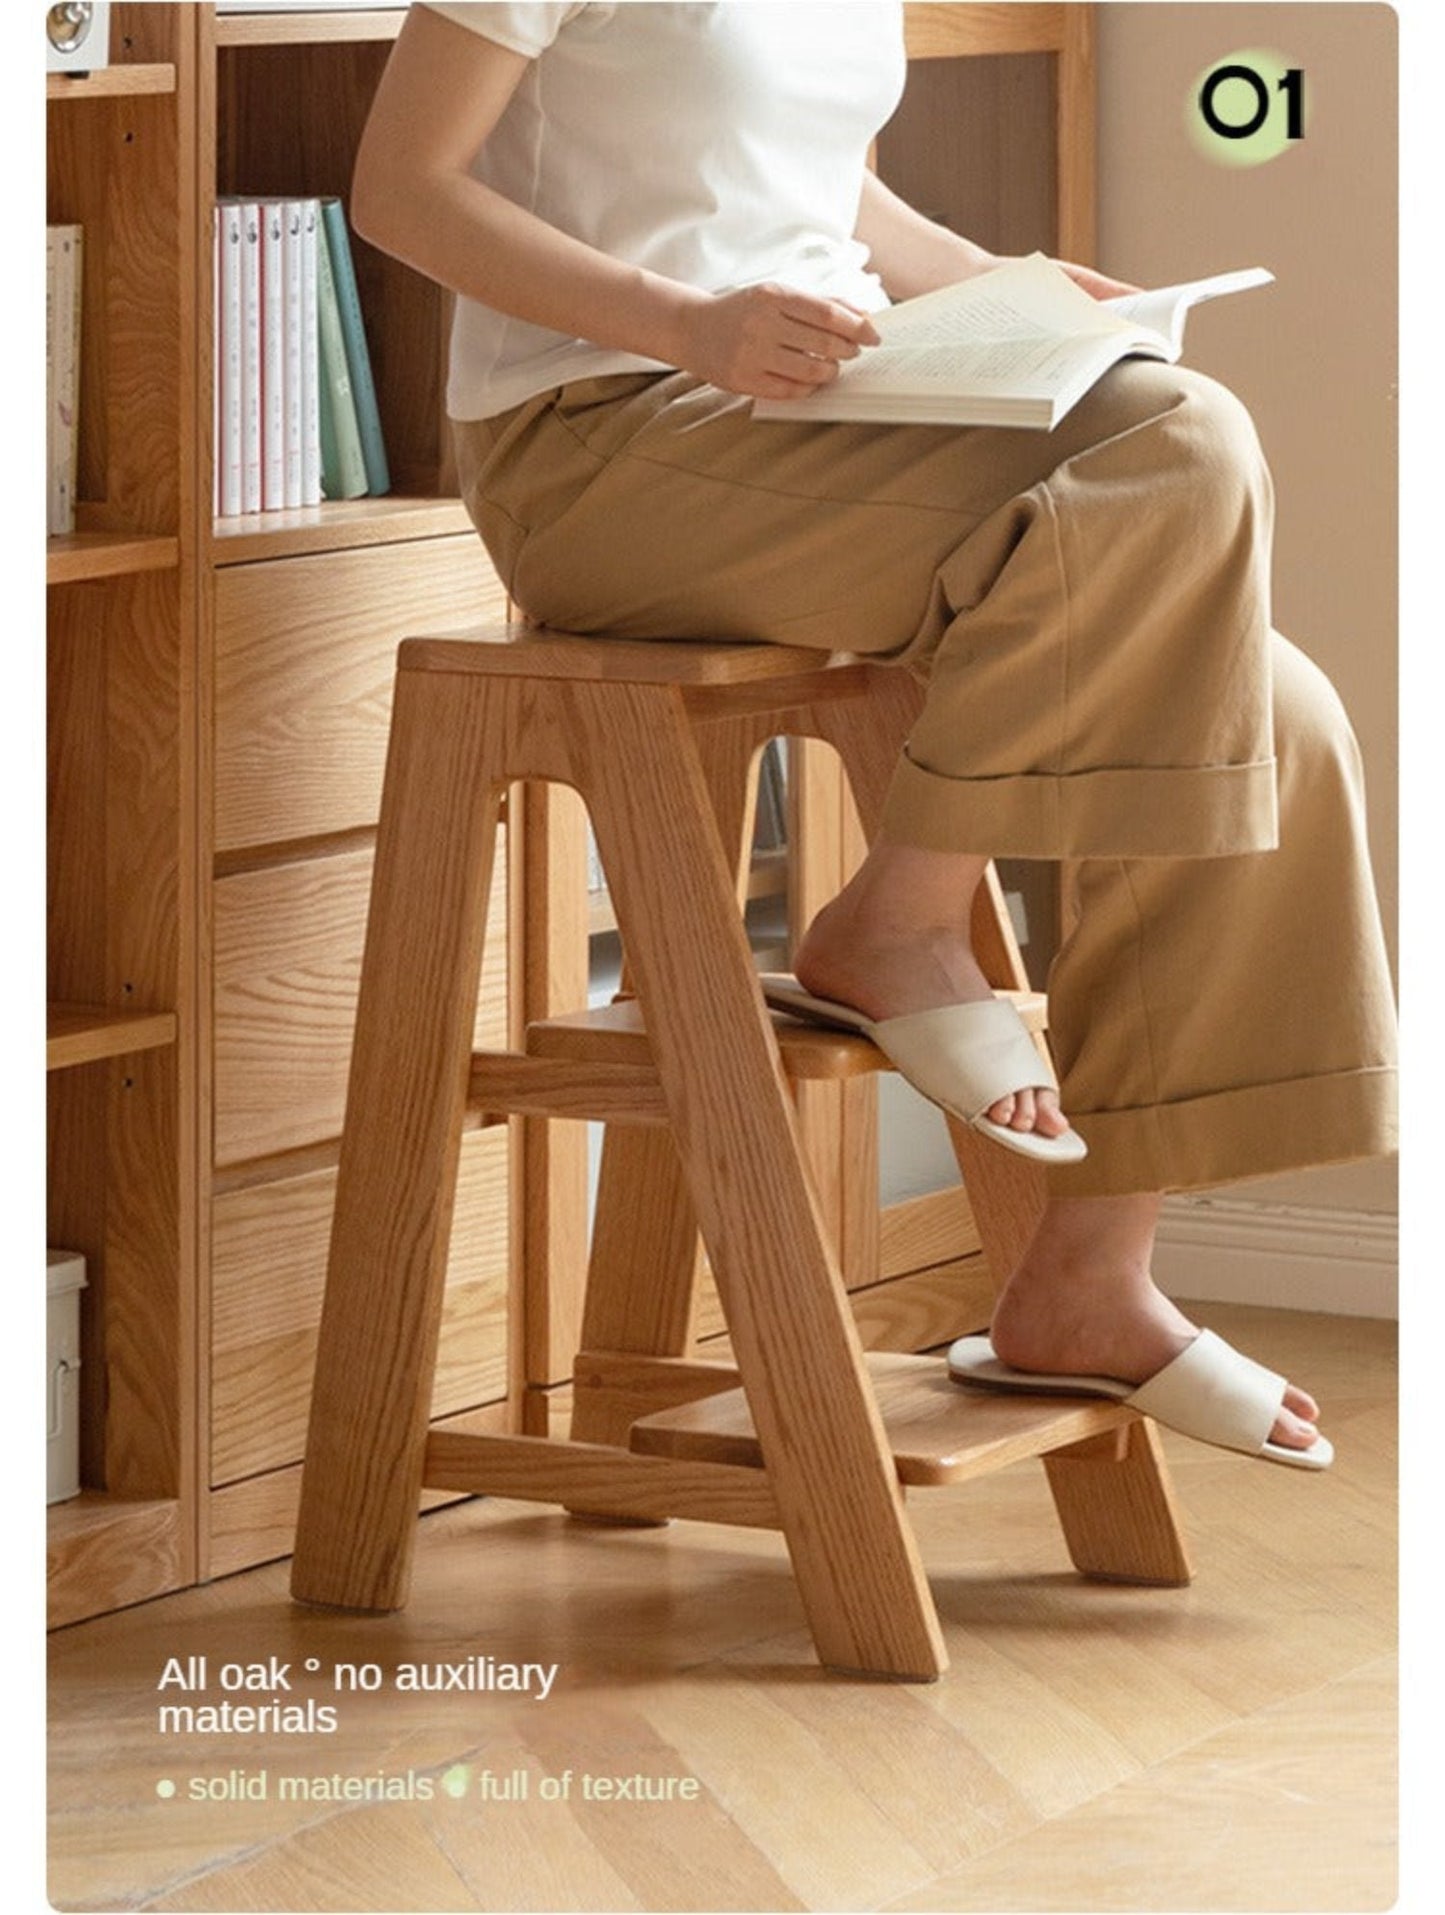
{"points": [[1018, 345], [343, 464], [273, 356], [249, 255], [358, 358], [288, 338], [308, 394], [228, 358], [64, 251]]}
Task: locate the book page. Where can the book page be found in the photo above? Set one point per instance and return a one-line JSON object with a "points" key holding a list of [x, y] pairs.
{"points": [[1023, 298], [1024, 328], [1023, 363], [1165, 308]]}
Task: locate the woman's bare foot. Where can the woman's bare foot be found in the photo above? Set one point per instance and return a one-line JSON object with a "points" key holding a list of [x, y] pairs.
{"points": [[1082, 1302], [896, 940]]}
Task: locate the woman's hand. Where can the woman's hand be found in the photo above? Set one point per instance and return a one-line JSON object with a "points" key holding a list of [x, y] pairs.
{"points": [[769, 341]]}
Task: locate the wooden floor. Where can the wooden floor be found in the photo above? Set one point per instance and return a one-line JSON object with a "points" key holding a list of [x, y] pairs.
{"points": [[1230, 1746]]}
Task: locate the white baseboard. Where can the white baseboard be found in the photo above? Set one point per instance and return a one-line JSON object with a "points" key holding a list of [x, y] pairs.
{"points": [[1226, 1250]]}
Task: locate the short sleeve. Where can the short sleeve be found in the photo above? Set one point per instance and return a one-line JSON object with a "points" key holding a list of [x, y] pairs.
{"points": [[525, 29]]}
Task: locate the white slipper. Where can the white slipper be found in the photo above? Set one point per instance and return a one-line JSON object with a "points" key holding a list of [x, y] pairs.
{"points": [[1210, 1392], [963, 1057]]}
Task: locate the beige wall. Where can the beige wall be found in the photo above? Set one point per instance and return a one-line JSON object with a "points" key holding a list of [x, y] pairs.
{"points": [[1312, 356]]}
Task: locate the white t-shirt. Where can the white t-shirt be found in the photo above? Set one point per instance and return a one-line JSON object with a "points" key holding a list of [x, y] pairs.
{"points": [[716, 144]]}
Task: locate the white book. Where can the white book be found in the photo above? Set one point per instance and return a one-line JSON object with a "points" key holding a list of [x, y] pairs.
{"points": [[215, 361], [273, 356], [291, 213], [64, 250], [229, 359], [1015, 346], [250, 356], [310, 355]]}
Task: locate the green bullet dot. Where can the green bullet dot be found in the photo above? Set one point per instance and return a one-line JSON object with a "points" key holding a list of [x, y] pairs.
{"points": [[1256, 102], [455, 1781], [165, 1790]]}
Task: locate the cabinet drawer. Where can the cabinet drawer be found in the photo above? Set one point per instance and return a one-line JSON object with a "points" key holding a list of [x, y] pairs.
{"points": [[305, 653], [288, 943], [269, 1267]]}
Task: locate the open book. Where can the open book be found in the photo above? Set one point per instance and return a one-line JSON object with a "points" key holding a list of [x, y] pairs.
{"points": [[1015, 346]]}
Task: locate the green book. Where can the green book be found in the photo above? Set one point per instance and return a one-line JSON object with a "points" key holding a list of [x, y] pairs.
{"points": [[343, 465], [358, 358]]}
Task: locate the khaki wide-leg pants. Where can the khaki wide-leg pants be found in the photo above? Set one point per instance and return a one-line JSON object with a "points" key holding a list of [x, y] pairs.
{"points": [[1089, 609]]}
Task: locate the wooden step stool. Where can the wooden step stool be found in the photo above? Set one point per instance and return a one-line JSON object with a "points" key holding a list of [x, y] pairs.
{"points": [[660, 740]]}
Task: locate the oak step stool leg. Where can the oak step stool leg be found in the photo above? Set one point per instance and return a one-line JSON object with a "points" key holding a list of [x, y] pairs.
{"points": [[797, 1349], [642, 1275], [372, 1394]]}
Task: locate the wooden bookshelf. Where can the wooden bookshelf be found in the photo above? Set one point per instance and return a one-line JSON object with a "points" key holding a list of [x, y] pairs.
{"points": [[121, 903], [299, 616]]}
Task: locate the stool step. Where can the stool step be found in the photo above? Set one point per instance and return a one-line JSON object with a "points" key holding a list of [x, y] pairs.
{"points": [[617, 1035], [939, 1431]]}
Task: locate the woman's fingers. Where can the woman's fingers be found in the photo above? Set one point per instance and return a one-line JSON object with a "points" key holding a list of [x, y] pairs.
{"points": [[772, 341]]}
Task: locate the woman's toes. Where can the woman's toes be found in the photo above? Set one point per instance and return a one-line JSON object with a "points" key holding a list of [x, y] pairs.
{"points": [[1030, 1110], [1301, 1404], [1049, 1120], [1293, 1432]]}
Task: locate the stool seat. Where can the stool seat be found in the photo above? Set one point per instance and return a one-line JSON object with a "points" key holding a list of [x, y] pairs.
{"points": [[704, 1094], [511, 647]]}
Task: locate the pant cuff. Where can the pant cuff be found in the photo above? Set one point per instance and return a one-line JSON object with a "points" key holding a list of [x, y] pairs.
{"points": [[1233, 1135], [1185, 812]]}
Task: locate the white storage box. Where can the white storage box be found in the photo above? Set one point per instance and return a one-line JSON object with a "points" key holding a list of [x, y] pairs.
{"points": [[64, 1281]]}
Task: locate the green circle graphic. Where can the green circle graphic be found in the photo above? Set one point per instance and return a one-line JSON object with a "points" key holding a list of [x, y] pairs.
{"points": [[1238, 102]]}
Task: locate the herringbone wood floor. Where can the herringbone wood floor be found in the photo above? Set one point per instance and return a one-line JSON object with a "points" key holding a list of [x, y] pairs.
{"points": [[1230, 1746]]}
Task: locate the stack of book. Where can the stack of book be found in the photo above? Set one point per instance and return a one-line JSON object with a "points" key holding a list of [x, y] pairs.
{"points": [[62, 373], [296, 417]]}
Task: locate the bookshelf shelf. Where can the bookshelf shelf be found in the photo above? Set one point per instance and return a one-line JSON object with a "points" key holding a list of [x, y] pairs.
{"points": [[337, 527], [85, 1034], [71, 557], [308, 29], [121, 82]]}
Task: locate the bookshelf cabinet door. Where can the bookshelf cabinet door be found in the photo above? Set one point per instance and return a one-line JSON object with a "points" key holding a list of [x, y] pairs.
{"points": [[269, 1268], [305, 652], [288, 943]]}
